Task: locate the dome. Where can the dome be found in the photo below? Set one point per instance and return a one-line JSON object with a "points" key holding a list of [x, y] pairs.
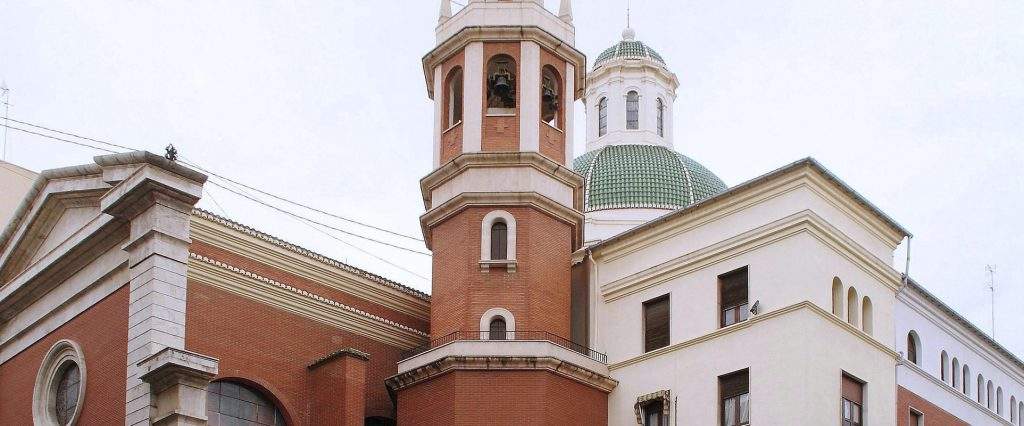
{"points": [[643, 176], [628, 48]]}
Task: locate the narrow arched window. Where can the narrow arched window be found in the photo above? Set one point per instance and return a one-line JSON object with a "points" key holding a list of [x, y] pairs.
{"points": [[989, 395], [944, 367], [661, 118], [981, 389], [549, 96], [966, 378], [956, 373], [454, 94], [497, 329], [852, 316], [912, 347], [999, 400], [867, 316], [1020, 413], [602, 117], [499, 241], [632, 110], [837, 297], [1013, 409], [501, 85]]}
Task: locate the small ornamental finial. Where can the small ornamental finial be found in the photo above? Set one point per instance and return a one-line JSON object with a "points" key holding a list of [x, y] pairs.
{"points": [[628, 34], [446, 11], [172, 152], [565, 11]]}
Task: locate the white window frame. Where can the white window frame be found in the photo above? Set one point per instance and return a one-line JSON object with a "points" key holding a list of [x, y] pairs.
{"points": [[485, 241], [490, 315], [44, 394]]}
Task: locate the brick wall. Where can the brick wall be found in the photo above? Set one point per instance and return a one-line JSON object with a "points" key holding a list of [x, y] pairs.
{"points": [[451, 139], [537, 293], [933, 415], [271, 348], [501, 133], [102, 333], [301, 283], [502, 398]]}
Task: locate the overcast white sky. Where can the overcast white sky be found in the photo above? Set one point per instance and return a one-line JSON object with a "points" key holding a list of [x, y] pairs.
{"points": [[916, 104]]}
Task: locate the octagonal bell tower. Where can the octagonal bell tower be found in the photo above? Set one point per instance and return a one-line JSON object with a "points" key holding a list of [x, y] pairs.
{"points": [[503, 217]]}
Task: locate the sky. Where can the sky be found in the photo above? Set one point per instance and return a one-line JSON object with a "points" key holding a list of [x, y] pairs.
{"points": [[918, 105]]}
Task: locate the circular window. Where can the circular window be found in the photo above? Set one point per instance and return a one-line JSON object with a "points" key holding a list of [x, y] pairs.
{"points": [[60, 386]]}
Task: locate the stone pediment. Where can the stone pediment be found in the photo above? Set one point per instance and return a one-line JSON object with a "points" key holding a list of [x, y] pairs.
{"points": [[53, 212]]}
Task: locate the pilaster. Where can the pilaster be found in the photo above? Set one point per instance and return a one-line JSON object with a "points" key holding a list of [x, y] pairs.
{"points": [[473, 97], [529, 87], [155, 196], [339, 388]]}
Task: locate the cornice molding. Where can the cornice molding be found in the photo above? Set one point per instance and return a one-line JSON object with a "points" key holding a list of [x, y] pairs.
{"points": [[534, 160], [755, 320], [238, 281], [466, 200], [269, 250], [805, 222], [500, 363]]}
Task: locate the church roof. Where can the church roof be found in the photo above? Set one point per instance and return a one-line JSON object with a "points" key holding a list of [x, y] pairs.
{"points": [[643, 176], [628, 49]]}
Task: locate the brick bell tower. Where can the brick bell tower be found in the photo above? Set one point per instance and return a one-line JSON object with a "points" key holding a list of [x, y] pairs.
{"points": [[503, 220]]}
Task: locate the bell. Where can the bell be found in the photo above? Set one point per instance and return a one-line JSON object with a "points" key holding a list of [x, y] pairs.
{"points": [[501, 84], [549, 96]]}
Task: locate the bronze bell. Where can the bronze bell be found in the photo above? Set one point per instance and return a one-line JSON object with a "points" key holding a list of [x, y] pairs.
{"points": [[501, 84]]}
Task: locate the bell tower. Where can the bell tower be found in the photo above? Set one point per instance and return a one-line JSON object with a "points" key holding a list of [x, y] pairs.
{"points": [[503, 218]]}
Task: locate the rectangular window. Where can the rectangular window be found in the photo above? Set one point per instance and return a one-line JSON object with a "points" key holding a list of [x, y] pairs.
{"points": [[632, 111], [654, 414], [734, 393], [853, 401], [602, 117], [656, 328], [732, 288], [916, 418]]}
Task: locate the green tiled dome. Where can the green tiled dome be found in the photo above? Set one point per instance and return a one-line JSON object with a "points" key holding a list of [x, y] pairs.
{"points": [[643, 176], [628, 49]]}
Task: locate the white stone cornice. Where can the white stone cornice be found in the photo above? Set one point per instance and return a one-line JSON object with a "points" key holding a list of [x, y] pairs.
{"points": [[217, 274]]}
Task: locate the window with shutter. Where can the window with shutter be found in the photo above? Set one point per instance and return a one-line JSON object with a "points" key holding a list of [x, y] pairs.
{"points": [[734, 392], [853, 401], [733, 297], [656, 323], [499, 241]]}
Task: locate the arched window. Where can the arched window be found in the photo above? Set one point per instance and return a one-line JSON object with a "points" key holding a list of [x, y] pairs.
{"points": [[632, 110], [497, 329], [999, 400], [966, 377], [867, 316], [454, 93], [497, 324], [235, 403], [912, 347], [837, 297], [981, 389], [944, 367], [1013, 409], [956, 373], [602, 117], [499, 241], [501, 85], [1020, 413], [989, 395], [661, 118], [549, 96], [852, 316]]}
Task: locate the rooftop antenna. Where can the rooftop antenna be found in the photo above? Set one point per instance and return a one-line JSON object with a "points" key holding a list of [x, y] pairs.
{"points": [[991, 269], [627, 12], [5, 97]]}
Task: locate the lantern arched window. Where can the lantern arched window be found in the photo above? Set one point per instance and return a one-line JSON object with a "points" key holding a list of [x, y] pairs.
{"points": [[550, 108], [501, 85]]}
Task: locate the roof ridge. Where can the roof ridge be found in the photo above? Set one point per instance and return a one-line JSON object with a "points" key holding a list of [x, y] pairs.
{"points": [[295, 248]]}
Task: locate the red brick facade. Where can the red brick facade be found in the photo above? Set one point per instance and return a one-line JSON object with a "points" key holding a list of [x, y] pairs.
{"points": [[502, 398], [537, 293], [451, 136], [102, 333], [933, 415], [552, 140]]}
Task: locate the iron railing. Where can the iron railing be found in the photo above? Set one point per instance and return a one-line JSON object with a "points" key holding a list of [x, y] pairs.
{"points": [[485, 335]]}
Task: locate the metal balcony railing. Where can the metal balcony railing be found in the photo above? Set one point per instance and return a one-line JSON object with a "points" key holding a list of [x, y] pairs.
{"points": [[485, 335]]}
